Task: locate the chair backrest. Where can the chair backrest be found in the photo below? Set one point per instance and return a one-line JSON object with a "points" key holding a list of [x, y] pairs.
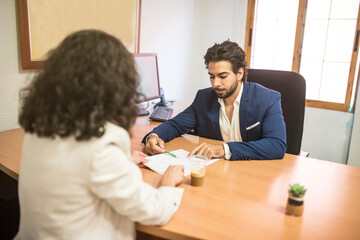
{"points": [[292, 87]]}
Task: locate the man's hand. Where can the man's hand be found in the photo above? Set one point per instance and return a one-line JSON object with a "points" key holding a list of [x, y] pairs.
{"points": [[209, 150], [139, 158], [154, 145]]}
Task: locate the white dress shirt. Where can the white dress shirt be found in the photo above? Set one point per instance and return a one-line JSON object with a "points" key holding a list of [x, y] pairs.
{"points": [[230, 131], [87, 190]]}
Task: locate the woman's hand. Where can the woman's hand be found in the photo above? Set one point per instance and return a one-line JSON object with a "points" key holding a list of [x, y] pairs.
{"points": [[173, 176], [139, 158]]}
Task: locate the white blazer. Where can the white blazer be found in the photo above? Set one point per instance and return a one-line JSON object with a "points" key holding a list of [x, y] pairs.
{"points": [[87, 190]]}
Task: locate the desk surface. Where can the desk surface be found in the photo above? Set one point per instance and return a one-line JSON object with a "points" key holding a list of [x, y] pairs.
{"points": [[245, 199], [10, 151]]}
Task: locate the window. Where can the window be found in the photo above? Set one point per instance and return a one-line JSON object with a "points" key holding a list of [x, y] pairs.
{"points": [[317, 38]]}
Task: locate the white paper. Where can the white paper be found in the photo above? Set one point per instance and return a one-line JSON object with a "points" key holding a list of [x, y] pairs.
{"points": [[160, 162]]}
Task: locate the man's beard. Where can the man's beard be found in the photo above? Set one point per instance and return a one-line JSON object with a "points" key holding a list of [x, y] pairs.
{"points": [[228, 93]]}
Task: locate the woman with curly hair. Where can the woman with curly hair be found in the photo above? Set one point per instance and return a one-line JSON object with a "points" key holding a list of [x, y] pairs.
{"points": [[78, 179]]}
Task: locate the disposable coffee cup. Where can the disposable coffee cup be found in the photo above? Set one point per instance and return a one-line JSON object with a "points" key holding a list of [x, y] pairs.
{"points": [[197, 164]]}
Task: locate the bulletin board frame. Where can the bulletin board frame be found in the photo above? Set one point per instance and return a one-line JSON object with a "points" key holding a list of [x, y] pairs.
{"points": [[26, 45]]}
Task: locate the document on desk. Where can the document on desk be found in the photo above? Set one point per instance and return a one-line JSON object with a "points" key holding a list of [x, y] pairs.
{"points": [[160, 162]]}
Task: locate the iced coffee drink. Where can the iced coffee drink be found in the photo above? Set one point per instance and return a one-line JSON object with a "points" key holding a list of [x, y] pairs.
{"points": [[198, 164]]}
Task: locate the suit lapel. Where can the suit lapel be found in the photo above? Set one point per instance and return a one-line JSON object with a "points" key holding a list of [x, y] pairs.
{"points": [[244, 109]]}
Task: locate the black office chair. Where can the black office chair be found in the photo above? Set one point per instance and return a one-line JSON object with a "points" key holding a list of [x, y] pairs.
{"points": [[292, 87]]}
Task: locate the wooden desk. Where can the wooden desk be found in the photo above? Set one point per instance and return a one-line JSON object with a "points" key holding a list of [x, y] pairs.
{"points": [[246, 199], [10, 151]]}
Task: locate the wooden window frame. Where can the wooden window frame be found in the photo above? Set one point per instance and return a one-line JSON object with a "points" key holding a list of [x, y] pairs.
{"points": [[300, 26]]}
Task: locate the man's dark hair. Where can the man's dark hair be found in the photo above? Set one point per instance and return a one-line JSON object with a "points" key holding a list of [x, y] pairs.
{"points": [[89, 79], [227, 51]]}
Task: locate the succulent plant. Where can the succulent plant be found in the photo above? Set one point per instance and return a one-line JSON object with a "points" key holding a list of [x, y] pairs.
{"points": [[297, 189]]}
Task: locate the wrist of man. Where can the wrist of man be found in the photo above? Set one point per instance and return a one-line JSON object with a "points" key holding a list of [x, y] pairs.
{"points": [[227, 151], [149, 136]]}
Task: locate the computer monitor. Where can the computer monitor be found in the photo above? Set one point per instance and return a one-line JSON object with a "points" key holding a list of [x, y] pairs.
{"points": [[147, 67]]}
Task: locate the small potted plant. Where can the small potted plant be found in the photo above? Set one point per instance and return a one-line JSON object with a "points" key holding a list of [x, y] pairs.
{"points": [[295, 203]]}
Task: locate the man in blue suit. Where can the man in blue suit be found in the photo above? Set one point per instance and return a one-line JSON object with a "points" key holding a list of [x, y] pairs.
{"points": [[247, 116]]}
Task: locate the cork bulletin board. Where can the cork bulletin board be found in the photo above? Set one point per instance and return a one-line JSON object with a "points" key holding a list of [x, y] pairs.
{"points": [[43, 24]]}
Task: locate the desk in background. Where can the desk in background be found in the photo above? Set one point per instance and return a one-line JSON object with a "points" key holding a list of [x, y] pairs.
{"points": [[10, 151], [245, 199]]}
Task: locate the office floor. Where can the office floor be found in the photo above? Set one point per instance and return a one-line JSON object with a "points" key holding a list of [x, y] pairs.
{"points": [[9, 207]]}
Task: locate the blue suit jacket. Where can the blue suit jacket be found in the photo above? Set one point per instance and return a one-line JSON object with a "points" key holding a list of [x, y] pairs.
{"points": [[258, 104]]}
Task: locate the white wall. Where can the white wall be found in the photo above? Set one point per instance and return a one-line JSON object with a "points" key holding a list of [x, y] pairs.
{"points": [[180, 31], [327, 134], [11, 80], [167, 29], [215, 23]]}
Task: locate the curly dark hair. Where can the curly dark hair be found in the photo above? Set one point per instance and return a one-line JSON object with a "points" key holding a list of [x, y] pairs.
{"points": [[228, 51], [89, 79]]}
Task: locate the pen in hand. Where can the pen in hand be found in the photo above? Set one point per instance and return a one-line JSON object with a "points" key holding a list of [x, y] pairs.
{"points": [[166, 151]]}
